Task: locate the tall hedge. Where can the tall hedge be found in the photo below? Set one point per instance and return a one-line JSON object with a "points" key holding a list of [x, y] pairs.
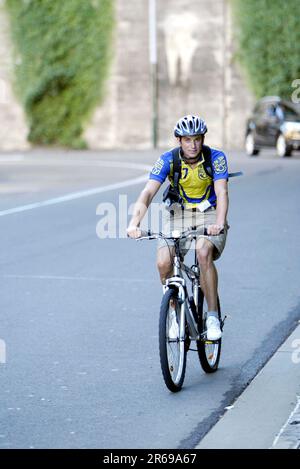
{"points": [[269, 44], [62, 57]]}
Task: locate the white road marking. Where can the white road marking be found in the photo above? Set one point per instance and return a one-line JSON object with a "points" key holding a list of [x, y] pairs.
{"points": [[55, 162], [86, 193], [11, 159], [89, 279], [107, 164], [286, 424]]}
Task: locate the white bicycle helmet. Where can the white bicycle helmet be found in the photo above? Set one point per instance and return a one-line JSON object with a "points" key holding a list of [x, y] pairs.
{"points": [[189, 126]]}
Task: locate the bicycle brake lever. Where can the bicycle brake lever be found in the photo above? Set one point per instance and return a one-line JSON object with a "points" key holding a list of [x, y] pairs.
{"points": [[146, 237]]}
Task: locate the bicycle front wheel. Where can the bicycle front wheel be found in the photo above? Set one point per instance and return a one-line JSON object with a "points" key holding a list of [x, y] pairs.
{"points": [[172, 350], [209, 352]]}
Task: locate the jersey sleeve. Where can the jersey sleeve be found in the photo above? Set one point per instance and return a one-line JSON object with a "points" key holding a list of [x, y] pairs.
{"points": [[219, 165], [161, 169]]}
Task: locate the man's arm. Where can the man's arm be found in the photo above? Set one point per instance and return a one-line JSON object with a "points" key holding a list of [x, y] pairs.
{"points": [[221, 190], [141, 207]]}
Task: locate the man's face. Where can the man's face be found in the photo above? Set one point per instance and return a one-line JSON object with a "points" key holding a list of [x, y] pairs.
{"points": [[191, 146]]}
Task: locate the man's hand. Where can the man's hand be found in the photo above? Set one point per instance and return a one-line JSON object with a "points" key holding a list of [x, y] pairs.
{"points": [[214, 230], [134, 232]]}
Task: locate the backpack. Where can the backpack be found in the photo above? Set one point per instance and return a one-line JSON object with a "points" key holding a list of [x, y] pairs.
{"points": [[172, 194]]}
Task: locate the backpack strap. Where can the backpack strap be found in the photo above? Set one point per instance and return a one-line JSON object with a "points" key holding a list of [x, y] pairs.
{"points": [[176, 168], [207, 161], [177, 164]]}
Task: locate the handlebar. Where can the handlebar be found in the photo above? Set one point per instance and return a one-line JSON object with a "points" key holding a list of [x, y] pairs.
{"points": [[191, 233]]}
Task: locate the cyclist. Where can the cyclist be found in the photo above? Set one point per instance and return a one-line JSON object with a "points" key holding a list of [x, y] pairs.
{"points": [[204, 202]]}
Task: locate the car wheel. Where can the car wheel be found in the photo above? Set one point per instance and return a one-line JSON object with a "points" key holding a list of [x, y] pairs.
{"points": [[250, 146], [282, 147]]}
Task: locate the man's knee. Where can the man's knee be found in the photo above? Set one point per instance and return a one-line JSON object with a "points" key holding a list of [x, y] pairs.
{"points": [[164, 265], [205, 254], [164, 260]]}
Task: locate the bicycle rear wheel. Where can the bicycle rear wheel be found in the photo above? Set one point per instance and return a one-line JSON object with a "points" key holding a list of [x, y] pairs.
{"points": [[209, 352], [172, 351]]}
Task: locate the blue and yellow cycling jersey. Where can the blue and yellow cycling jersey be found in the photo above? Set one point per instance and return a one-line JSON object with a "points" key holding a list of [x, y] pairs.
{"points": [[195, 184]]}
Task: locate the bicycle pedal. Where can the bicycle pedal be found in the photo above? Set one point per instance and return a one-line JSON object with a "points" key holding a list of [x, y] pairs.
{"points": [[211, 341], [204, 339]]}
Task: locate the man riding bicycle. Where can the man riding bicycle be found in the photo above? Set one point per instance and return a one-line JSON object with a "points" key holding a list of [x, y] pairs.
{"points": [[202, 186]]}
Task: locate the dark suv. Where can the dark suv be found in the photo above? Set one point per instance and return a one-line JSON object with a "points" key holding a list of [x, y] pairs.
{"points": [[274, 123]]}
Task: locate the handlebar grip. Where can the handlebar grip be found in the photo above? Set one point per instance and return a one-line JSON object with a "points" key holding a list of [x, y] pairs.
{"points": [[205, 231], [206, 234], [145, 233]]}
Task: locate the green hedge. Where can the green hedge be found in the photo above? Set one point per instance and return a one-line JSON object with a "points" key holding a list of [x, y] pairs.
{"points": [[269, 44], [63, 51]]}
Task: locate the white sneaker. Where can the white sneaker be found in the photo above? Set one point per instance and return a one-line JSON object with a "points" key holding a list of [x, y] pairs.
{"points": [[213, 328], [174, 328]]}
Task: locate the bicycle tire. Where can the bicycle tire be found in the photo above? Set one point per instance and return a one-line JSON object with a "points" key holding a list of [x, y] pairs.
{"points": [[209, 352], [173, 367]]}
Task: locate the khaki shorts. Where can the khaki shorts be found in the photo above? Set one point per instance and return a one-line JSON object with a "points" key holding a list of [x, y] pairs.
{"points": [[183, 220]]}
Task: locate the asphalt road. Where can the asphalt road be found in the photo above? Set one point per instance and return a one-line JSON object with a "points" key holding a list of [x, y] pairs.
{"points": [[79, 314]]}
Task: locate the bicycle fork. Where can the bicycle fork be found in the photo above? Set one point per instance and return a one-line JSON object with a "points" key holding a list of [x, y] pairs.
{"points": [[186, 312]]}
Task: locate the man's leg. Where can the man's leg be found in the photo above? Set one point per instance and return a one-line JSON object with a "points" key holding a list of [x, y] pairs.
{"points": [[165, 257], [209, 285], [209, 275]]}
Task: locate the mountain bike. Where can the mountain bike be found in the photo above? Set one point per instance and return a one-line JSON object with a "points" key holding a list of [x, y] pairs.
{"points": [[190, 312]]}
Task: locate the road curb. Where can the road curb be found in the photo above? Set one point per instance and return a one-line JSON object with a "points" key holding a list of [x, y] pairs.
{"points": [[289, 435], [267, 413]]}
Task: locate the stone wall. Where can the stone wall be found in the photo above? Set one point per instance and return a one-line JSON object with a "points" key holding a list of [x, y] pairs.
{"points": [[196, 74], [238, 100], [199, 27], [13, 128], [123, 119]]}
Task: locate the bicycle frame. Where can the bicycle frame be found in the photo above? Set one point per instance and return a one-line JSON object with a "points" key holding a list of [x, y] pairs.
{"points": [[177, 281], [175, 336]]}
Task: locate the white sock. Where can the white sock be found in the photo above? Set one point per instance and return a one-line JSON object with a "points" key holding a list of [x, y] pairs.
{"points": [[212, 313]]}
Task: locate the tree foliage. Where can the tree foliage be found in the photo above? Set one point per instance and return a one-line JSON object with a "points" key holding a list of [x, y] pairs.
{"points": [[269, 44], [62, 56]]}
